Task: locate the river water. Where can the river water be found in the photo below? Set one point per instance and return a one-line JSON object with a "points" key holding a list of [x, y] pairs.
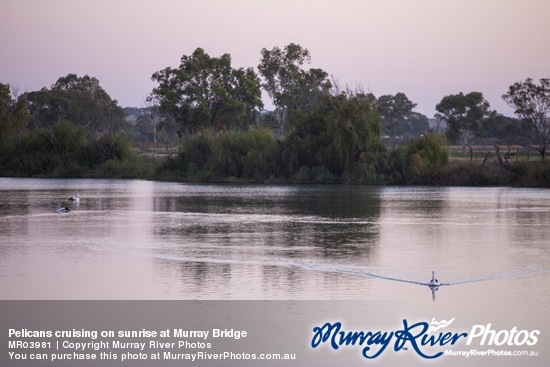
{"points": [[371, 248], [129, 239]]}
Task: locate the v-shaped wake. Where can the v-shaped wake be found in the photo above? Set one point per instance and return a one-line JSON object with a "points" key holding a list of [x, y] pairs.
{"points": [[329, 268], [518, 274]]}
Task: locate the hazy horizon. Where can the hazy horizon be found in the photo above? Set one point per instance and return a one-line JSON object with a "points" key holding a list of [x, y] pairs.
{"points": [[426, 49]]}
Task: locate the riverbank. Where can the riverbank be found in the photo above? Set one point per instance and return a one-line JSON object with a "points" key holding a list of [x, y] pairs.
{"points": [[255, 157], [456, 173]]}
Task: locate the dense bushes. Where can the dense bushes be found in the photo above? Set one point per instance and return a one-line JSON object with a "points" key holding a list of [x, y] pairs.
{"points": [[64, 150], [226, 156], [339, 142], [73, 129], [530, 174], [421, 160], [424, 161], [519, 174], [255, 155]]}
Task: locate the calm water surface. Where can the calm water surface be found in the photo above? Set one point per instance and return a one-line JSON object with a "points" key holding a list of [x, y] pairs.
{"points": [[150, 240], [153, 240]]}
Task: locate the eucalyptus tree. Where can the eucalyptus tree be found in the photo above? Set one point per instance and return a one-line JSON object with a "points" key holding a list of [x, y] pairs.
{"points": [[205, 91], [14, 118], [80, 100], [464, 114], [13, 113], [290, 86], [505, 130], [532, 104], [418, 124], [399, 122]]}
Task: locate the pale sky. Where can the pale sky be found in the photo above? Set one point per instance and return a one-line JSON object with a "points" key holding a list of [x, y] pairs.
{"points": [[424, 48]]}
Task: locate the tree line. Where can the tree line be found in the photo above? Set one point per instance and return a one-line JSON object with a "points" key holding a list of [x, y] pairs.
{"points": [[73, 129], [318, 132]]}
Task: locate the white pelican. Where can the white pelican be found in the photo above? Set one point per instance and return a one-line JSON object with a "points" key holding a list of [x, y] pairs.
{"points": [[74, 199], [62, 209], [434, 282]]}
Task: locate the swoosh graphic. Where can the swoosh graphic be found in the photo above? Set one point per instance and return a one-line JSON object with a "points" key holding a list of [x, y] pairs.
{"points": [[439, 325]]}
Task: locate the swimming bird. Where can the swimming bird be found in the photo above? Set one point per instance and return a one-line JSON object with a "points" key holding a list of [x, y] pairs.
{"points": [[74, 199], [62, 209], [434, 282]]}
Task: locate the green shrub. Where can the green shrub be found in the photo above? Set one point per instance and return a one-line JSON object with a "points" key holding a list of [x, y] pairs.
{"points": [[321, 175], [232, 155], [423, 157], [531, 174], [302, 176], [64, 150]]}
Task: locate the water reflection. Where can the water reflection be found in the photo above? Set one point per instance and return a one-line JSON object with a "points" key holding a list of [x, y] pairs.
{"points": [[433, 289], [267, 228], [262, 226]]}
